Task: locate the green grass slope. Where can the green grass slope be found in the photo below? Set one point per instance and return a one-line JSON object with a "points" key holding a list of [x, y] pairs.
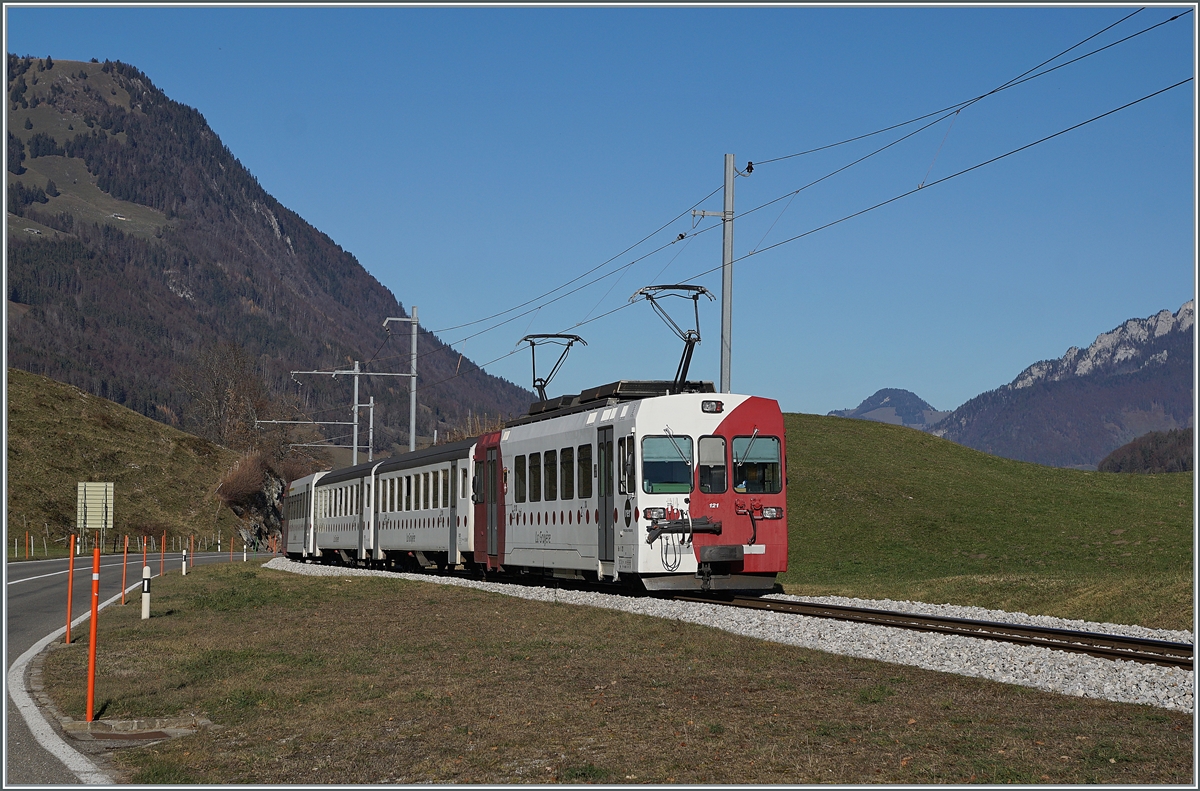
{"points": [[885, 511], [59, 435]]}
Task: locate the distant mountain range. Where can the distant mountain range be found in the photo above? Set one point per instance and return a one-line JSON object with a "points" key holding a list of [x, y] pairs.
{"points": [[1074, 410], [898, 407], [137, 241]]}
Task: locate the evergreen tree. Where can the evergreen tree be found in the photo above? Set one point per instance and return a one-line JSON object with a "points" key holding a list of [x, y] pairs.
{"points": [[51, 188], [49, 63], [28, 123], [16, 155]]}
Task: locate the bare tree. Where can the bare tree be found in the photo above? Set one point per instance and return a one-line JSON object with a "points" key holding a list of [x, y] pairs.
{"points": [[227, 396]]}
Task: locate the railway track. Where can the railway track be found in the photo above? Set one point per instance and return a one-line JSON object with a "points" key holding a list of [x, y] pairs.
{"points": [[1107, 646]]}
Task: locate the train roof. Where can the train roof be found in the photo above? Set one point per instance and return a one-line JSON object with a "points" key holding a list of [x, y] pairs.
{"points": [[607, 395], [432, 455]]}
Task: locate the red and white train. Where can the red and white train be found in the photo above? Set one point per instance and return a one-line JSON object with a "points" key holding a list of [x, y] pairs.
{"points": [[632, 482]]}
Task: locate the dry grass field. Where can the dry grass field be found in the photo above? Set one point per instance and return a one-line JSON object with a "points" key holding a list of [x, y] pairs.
{"points": [[368, 680]]}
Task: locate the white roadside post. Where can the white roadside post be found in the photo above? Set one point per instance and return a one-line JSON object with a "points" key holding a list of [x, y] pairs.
{"points": [[185, 562], [145, 592]]}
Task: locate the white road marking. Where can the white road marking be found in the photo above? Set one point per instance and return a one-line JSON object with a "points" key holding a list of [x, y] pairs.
{"points": [[42, 731]]}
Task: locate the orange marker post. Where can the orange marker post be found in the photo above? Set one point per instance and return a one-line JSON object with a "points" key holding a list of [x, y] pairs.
{"points": [[124, 568], [91, 703], [162, 559], [70, 584]]}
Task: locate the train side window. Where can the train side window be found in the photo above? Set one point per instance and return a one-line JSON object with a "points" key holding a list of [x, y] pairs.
{"points": [[407, 492], [435, 481], [621, 487], [446, 488], [756, 465], [425, 491], [519, 479], [462, 492], [667, 464], [627, 465], [585, 471], [535, 477], [712, 465], [551, 475], [566, 462]]}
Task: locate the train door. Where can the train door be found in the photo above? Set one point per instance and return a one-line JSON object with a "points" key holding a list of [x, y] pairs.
{"points": [[605, 496], [487, 495], [310, 519], [489, 498], [452, 554]]}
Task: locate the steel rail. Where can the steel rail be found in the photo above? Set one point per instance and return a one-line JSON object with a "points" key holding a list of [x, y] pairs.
{"points": [[1107, 646]]}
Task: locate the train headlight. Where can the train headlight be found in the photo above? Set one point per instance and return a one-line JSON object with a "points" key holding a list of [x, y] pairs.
{"points": [[655, 513], [771, 512], [712, 407]]}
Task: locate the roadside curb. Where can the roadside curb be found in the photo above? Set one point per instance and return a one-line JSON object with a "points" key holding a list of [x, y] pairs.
{"points": [[79, 764]]}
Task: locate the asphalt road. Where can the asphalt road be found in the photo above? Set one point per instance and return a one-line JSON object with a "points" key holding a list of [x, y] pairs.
{"points": [[36, 599]]}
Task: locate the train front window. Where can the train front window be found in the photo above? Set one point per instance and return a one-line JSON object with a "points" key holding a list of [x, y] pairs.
{"points": [[756, 465], [667, 464], [712, 465]]}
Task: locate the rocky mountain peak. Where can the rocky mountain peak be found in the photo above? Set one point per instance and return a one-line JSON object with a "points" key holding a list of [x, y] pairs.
{"points": [[1124, 349]]}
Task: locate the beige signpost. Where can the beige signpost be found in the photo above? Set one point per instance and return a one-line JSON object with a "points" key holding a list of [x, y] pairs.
{"points": [[94, 508]]}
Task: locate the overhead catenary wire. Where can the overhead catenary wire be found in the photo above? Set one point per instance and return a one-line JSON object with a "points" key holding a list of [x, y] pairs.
{"points": [[881, 204], [949, 112], [588, 272], [945, 112], [595, 280], [951, 176], [1010, 84], [942, 114]]}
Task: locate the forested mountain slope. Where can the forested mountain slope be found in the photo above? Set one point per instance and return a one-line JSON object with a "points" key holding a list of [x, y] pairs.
{"points": [[137, 241]]}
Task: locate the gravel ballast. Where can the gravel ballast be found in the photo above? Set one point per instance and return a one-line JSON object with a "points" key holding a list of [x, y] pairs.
{"points": [[1040, 668]]}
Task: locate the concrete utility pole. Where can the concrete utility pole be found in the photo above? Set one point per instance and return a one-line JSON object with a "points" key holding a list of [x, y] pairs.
{"points": [[727, 278], [726, 271], [412, 388], [354, 411]]}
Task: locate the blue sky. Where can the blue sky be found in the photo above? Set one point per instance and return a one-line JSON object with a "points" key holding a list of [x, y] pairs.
{"points": [[473, 159]]}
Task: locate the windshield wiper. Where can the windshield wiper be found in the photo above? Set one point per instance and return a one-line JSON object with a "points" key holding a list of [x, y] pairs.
{"points": [[746, 455]]}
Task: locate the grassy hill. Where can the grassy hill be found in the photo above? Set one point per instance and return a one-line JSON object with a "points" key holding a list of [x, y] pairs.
{"points": [[875, 510], [885, 511], [59, 435]]}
